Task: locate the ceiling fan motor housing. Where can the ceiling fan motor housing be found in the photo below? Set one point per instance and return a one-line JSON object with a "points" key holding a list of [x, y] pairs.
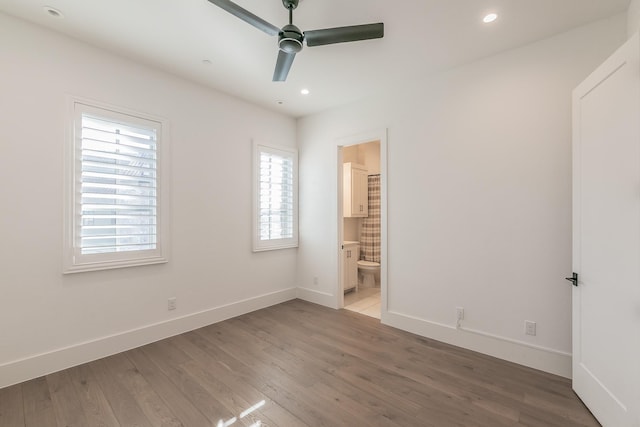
{"points": [[291, 38]]}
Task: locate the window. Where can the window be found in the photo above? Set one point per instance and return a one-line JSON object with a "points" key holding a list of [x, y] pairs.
{"points": [[276, 197], [115, 197]]}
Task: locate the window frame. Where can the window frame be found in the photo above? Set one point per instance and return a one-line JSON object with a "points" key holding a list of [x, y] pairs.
{"points": [[73, 260], [273, 244]]}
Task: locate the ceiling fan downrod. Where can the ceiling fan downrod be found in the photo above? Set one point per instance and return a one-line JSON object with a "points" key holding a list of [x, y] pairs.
{"points": [[290, 5]]}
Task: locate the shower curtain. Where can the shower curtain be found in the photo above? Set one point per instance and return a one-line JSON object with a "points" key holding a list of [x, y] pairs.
{"points": [[370, 235]]}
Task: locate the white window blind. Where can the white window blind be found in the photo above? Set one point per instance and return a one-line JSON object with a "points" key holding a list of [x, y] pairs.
{"points": [[118, 187], [115, 195], [276, 212]]}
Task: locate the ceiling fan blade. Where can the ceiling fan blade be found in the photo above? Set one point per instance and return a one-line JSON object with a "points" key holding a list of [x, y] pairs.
{"points": [[247, 16], [283, 66], [344, 34]]}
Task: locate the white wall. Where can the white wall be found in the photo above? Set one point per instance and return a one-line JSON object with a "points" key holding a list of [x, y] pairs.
{"points": [[49, 320], [479, 193], [633, 17]]}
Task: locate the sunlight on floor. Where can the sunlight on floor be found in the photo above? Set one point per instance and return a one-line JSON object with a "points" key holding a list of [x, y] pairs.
{"points": [[364, 301]]}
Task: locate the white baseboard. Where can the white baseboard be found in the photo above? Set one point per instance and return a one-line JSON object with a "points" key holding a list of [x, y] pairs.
{"points": [[317, 297], [541, 358], [42, 364]]}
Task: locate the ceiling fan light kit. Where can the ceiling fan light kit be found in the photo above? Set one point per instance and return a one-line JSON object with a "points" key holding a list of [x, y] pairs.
{"points": [[291, 39]]}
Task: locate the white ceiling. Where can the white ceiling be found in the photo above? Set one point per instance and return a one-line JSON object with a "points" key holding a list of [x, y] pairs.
{"points": [[421, 37]]}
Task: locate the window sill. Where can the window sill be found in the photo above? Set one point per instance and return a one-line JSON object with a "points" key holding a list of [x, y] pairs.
{"points": [[109, 265]]}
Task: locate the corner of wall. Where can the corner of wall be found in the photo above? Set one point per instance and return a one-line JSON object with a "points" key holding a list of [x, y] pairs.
{"points": [[316, 297], [633, 17]]}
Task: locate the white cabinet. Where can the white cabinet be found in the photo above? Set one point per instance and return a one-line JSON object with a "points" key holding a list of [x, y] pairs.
{"points": [[350, 256], [355, 191]]}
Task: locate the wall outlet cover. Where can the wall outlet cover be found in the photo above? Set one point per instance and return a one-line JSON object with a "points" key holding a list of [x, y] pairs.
{"points": [[529, 327]]}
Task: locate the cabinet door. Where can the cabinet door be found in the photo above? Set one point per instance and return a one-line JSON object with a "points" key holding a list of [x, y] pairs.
{"points": [[360, 198], [355, 191], [350, 259]]}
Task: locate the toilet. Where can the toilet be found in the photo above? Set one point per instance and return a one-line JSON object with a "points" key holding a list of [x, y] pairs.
{"points": [[368, 270]]}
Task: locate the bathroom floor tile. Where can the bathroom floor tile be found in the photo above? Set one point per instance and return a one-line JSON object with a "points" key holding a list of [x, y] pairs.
{"points": [[364, 301], [372, 311], [360, 294]]}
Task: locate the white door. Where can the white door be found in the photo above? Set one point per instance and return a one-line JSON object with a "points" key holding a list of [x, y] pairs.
{"points": [[606, 239]]}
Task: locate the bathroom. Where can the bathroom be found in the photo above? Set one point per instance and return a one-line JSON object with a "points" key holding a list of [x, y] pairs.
{"points": [[361, 228]]}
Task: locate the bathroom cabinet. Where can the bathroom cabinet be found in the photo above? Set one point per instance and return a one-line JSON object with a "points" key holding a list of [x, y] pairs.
{"points": [[350, 256], [355, 191]]}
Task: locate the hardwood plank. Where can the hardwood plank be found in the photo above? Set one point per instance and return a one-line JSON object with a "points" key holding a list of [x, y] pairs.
{"points": [[236, 405], [323, 368], [396, 391], [124, 406], [274, 382], [210, 377], [169, 359], [11, 406], [38, 407], [177, 402], [151, 405], [213, 361], [66, 404], [92, 400]]}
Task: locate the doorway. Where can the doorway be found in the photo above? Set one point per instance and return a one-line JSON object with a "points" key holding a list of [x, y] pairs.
{"points": [[362, 216]]}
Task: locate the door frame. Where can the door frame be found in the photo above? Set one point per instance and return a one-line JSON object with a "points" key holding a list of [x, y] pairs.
{"points": [[357, 139]]}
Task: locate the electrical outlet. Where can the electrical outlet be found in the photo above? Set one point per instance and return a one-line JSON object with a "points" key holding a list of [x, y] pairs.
{"points": [[171, 303], [459, 316], [315, 280], [529, 327]]}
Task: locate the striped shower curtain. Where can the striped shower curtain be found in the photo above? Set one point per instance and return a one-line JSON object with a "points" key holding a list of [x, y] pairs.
{"points": [[370, 236]]}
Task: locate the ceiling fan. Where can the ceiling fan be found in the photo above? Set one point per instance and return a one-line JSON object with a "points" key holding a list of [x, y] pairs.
{"points": [[290, 38]]}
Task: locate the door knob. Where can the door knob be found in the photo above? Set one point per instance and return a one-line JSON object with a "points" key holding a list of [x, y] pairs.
{"points": [[573, 279]]}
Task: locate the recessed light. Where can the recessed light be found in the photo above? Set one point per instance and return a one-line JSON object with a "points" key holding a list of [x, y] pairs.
{"points": [[305, 91], [53, 12], [490, 18]]}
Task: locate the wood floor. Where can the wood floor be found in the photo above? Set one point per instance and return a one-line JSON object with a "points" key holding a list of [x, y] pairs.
{"points": [[295, 364]]}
